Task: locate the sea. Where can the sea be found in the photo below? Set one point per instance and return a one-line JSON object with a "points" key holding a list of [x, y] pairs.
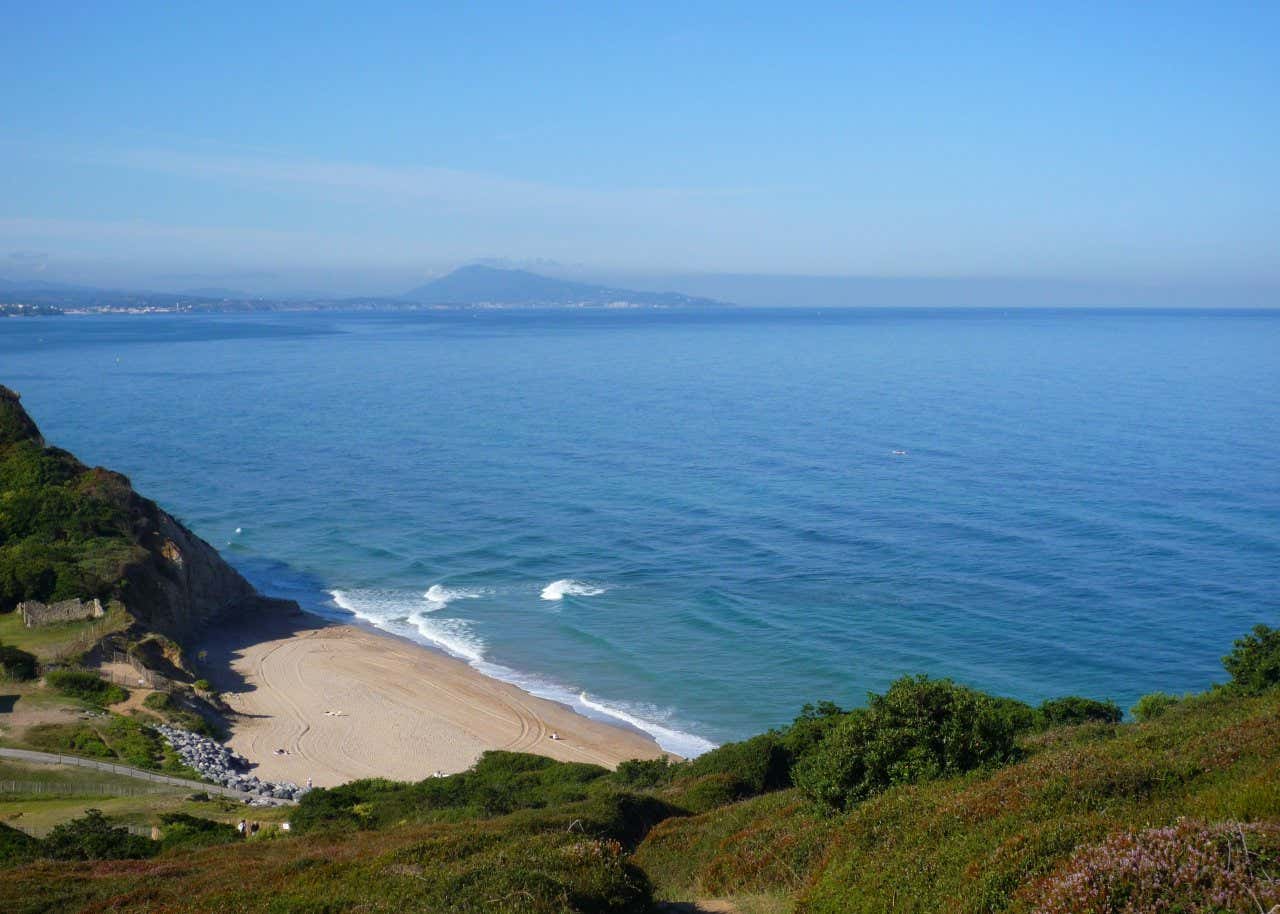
{"points": [[695, 522]]}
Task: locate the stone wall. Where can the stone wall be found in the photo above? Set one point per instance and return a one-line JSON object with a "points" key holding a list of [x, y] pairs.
{"points": [[35, 613]]}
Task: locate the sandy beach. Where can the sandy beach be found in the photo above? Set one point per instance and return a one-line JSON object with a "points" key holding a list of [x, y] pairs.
{"points": [[345, 702]]}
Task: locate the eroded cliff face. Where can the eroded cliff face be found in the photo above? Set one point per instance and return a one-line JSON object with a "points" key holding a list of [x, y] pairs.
{"points": [[183, 585], [170, 580]]}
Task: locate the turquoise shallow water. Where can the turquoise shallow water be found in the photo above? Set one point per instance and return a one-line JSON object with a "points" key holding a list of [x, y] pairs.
{"points": [[1086, 502]]}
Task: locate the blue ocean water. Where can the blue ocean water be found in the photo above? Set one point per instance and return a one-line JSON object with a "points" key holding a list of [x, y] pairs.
{"points": [[699, 521]]}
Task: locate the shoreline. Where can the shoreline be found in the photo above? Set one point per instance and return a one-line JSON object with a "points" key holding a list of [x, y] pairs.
{"points": [[334, 702], [674, 742]]}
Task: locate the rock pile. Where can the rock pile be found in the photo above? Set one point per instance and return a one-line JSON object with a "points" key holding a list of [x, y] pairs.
{"points": [[222, 766]]}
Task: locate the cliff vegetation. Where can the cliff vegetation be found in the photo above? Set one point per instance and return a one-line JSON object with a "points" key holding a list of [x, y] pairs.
{"points": [[933, 797], [72, 531]]}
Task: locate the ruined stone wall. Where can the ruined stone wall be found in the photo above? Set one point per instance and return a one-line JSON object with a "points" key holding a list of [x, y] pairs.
{"points": [[35, 613]]}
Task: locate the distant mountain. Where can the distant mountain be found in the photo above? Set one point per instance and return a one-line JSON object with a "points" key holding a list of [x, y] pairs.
{"points": [[482, 285], [39, 285]]}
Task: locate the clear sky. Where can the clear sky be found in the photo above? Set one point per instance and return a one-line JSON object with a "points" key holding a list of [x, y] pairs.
{"points": [[365, 145]]}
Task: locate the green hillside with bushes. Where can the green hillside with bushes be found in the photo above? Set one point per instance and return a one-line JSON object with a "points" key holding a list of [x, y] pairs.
{"points": [[65, 529], [933, 797]]}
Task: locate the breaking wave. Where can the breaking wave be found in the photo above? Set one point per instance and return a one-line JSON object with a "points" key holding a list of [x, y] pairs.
{"points": [[566, 587], [438, 596], [677, 741], [400, 614]]}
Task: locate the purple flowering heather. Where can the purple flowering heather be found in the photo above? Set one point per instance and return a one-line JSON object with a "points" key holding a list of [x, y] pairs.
{"points": [[1189, 868]]}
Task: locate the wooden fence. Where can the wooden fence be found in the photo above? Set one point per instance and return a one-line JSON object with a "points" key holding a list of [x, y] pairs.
{"points": [[142, 677], [91, 789], [84, 639], [55, 758], [42, 831]]}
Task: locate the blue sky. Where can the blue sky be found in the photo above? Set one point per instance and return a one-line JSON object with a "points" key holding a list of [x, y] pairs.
{"points": [[360, 147]]}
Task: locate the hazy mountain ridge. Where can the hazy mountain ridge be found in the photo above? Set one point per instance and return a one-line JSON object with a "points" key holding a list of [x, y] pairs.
{"points": [[471, 286], [484, 285]]}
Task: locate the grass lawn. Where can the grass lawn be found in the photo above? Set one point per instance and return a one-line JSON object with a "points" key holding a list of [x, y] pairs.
{"points": [[50, 642], [74, 781], [72, 790], [41, 814]]}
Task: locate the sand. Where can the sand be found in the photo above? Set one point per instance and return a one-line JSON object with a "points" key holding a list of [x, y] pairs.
{"points": [[346, 702]]}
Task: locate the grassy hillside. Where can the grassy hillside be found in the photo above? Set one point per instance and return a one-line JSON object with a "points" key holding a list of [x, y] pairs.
{"points": [[982, 842], [68, 530], [39, 797], [1126, 804], [65, 529]]}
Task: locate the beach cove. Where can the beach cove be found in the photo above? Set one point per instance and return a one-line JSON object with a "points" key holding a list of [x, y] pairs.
{"points": [[313, 699]]}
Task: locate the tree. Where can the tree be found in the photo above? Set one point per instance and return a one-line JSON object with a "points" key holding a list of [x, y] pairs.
{"points": [[1254, 663], [920, 729], [92, 837], [16, 665], [1065, 712]]}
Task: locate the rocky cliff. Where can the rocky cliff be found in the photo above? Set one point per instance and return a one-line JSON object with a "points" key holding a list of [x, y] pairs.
{"points": [[67, 530]]}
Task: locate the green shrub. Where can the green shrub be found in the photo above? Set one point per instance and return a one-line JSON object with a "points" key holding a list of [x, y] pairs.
{"points": [[762, 763], [86, 686], [499, 783], [15, 424], [812, 725], [60, 539], [711, 791], [160, 702], [920, 729], [622, 817], [92, 837], [202, 685], [16, 665], [1254, 663], [641, 774], [134, 743], [175, 713], [16, 847], [1072, 710], [1152, 705], [112, 737], [183, 831], [65, 530]]}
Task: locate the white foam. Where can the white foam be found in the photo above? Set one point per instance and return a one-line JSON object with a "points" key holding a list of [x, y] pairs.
{"points": [[400, 614], [454, 636], [566, 587], [439, 596], [683, 744], [340, 598]]}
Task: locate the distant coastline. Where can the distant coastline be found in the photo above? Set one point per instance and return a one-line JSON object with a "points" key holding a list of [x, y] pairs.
{"points": [[467, 287]]}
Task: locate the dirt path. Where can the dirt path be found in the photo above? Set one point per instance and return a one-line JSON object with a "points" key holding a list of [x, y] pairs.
{"points": [[122, 672]]}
